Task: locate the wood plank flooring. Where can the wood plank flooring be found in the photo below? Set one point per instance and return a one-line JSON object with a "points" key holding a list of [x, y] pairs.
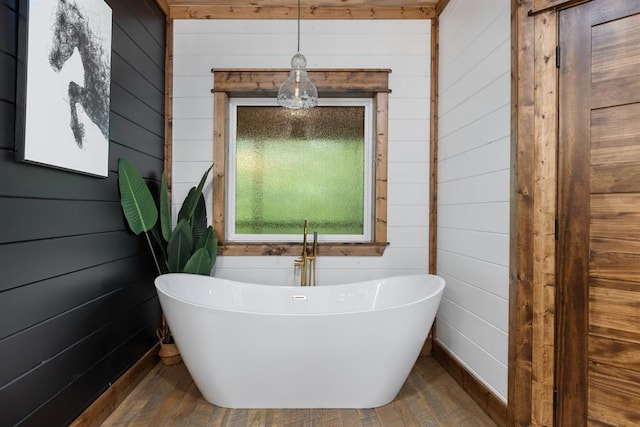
{"points": [[167, 396]]}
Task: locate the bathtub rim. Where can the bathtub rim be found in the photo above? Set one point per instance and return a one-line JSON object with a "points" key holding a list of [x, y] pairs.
{"points": [[439, 289]]}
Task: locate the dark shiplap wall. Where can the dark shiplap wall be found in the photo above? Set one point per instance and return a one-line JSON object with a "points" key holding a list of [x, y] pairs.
{"points": [[77, 303]]}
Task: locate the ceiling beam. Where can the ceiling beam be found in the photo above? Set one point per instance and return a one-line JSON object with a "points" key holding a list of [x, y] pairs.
{"points": [[202, 11]]}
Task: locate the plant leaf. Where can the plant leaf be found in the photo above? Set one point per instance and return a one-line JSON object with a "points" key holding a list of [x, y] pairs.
{"points": [[180, 246], [199, 190], [165, 209], [209, 241], [199, 221], [186, 204], [135, 198], [199, 263], [191, 201]]}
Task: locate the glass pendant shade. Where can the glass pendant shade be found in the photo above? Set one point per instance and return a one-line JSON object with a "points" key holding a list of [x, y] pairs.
{"points": [[298, 91]]}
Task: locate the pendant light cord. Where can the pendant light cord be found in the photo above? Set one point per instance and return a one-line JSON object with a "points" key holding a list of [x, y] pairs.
{"points": [[298, 26]]}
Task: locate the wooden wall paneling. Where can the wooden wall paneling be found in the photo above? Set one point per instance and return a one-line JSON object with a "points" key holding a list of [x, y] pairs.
{"points": [[7, 119], [473, 173], [8, 50], [162, 4], [145, 26], [8, 20], [107, 403], [131, 136], [77, 296], [544, 215], [137, 58], [82, 392], [136, 84], [521, 264], [27, 181], [135, 20], [127, 105], [62, 218], [27, 349], [192, 80], [80, 252], [51, 378], [152, 19], [150, 167], [50, 297], [8, 70]]}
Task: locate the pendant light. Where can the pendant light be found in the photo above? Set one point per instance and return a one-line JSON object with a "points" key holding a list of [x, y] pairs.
{"points": [[298, 91]]}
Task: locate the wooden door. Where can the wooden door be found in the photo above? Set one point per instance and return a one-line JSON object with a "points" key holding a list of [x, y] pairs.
{"points": [[598, 300]]}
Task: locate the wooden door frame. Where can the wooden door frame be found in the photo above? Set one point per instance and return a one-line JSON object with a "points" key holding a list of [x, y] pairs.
{"points": [[532, 263], [532, 276]]}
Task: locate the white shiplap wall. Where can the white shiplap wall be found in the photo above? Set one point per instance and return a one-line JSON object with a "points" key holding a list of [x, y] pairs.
{"points": [[473, 186], [401, 45]]}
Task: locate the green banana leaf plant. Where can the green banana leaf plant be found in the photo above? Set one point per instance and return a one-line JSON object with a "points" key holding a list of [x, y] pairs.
{"points": [[191, 246]]}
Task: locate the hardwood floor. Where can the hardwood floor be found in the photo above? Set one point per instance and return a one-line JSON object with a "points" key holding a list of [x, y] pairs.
{"points": [[167, 396]]}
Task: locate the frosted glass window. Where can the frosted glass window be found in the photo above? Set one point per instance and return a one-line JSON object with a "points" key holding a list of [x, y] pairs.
{"points": [[288, 165]]}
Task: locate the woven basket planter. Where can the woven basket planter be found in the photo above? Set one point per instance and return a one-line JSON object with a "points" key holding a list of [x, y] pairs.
{"points": [[169, 353]]}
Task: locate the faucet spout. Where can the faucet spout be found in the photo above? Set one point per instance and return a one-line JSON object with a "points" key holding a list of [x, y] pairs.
{"points": [[307, 259]]}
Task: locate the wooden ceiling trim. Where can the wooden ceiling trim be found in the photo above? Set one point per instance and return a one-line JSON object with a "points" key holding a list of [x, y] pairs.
{"points": [[283, 12], [239, 82]]}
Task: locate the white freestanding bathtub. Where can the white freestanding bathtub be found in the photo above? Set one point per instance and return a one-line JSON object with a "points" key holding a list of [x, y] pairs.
{"points": [[334, 346]]}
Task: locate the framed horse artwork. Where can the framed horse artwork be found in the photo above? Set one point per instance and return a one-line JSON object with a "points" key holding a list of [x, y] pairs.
{"points": [[64, 80]]}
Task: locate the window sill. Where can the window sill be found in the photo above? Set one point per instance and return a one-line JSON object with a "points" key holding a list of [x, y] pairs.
{"points": [[294, 249]]}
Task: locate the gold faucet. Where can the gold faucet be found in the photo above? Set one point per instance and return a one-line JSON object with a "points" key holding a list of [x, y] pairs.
{"points": [[307, 259]]}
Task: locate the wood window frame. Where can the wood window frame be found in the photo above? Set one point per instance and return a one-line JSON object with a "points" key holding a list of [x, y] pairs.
{"points": [[353, 83]]}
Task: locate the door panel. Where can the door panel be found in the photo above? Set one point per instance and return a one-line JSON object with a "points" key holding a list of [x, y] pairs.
{"points": [[598, 300], [615, 62]]}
